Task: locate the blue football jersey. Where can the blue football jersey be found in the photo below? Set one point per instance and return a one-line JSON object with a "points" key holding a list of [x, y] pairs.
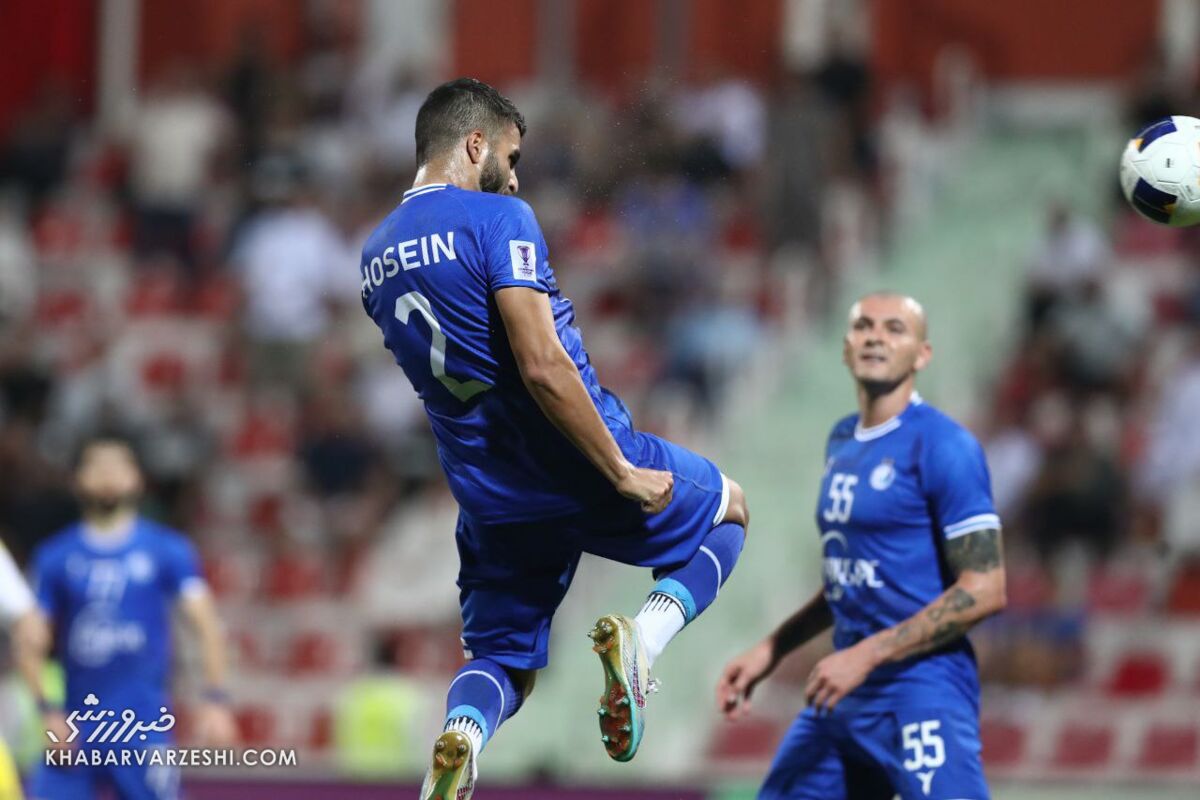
{"points": [[110, 603], [429, 274], [891, 495]]}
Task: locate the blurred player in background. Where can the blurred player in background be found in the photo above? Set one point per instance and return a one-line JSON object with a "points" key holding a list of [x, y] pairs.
{"points": [[544, 462], [17, 609], [912, 559], [106, 587]]}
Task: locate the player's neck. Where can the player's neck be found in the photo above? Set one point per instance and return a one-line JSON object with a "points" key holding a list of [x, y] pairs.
{"points": [[446, 171], [114, 525], [876, 409]]}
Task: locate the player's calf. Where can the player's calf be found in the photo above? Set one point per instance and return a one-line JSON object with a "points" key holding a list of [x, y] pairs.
{"points": [[628, 648], [684, 593], [481, 697]]}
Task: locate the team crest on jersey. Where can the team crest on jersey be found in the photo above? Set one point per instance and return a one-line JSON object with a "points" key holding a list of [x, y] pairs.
{"points": [[139, 566], [883, 475], [524, 260]]}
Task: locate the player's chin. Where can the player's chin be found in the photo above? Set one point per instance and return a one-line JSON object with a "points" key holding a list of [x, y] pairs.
{"points": [[873, 372]]}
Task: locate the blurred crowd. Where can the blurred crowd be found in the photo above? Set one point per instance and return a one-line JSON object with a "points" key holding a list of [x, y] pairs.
{"points": [[1094, 442], [188, 276]]}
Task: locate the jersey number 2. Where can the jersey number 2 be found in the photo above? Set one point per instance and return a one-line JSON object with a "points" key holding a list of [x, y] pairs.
{"points": [[415, 301]]}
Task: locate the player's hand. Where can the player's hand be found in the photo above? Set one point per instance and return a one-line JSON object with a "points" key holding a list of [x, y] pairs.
{"points": [[56, 722], [215, 725], [837, 675], [739, 678], [651, 488]]}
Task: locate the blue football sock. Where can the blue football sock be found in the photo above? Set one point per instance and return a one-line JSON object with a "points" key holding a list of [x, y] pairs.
{"points": [[480, 698], [696, 584], [682, 594]]}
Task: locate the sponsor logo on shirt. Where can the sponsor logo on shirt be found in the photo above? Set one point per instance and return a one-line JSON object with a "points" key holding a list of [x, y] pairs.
{"points": [[97, 635], [841, 572]]}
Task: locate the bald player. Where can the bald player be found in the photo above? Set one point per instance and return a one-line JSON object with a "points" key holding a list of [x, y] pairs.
{"points": [[912, 560]]}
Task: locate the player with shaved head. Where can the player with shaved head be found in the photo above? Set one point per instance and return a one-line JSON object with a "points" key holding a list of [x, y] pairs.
{"points": [[912, 560]]}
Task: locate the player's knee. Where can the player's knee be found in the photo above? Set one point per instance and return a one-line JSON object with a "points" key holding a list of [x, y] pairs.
{"points": [[737, 511]]}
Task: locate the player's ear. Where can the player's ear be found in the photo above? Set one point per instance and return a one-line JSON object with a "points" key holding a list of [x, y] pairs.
{"points": [[924, 355], [476, 146], [847, 358]]}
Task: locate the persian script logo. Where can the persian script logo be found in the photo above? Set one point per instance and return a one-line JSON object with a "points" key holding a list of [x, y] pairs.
{"points": [[113, 728]]}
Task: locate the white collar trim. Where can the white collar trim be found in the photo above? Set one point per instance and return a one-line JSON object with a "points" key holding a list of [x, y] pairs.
{"points": [[429, 187], [109, 540], [862, 434]]}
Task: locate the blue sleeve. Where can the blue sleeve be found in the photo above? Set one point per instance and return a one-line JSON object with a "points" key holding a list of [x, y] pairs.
{"points": [[514, 249], [181, 566], [957, 483], [45, 578]]}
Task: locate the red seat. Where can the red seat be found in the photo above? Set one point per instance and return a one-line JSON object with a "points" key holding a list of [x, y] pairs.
{"points": [[751, 739], [216, 299], [248, 647], [1083, 745], [164, 372], [1139, 674], [320, 731], [1003, 743], [426, 649], [312, 653], [256, 726], [60, 307], [291, 577], [1117, 593], [154, 294], [1184, 595], [1169, 747]]}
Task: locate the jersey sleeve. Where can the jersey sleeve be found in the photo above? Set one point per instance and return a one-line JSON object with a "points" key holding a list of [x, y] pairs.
{"points": [[15, 597], [958, 485], [514, 249], [181, 568]]}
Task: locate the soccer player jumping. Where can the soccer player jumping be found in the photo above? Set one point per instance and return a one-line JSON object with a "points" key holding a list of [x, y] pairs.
{"points": [[912, 559], [545, 463]]}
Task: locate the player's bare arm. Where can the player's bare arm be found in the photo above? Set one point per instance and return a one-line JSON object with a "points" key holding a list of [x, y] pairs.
{"points": [[215, 723], [977, 562], [32, 639], [553, 380], [744, 673]]}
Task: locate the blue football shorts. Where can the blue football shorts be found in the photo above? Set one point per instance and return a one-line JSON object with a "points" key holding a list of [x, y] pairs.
{"points": [[513, 576], [913, 753]]}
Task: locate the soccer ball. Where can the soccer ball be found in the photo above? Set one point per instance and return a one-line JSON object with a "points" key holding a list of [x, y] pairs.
{"points": [[1160, 171]]}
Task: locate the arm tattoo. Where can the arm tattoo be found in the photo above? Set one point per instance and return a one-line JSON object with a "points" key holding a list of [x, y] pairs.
{"points": [[976, 552], [951, 615], [937, 626]]}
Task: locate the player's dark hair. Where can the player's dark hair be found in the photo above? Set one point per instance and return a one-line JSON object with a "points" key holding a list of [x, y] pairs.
{"points": [[454, 109]]}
